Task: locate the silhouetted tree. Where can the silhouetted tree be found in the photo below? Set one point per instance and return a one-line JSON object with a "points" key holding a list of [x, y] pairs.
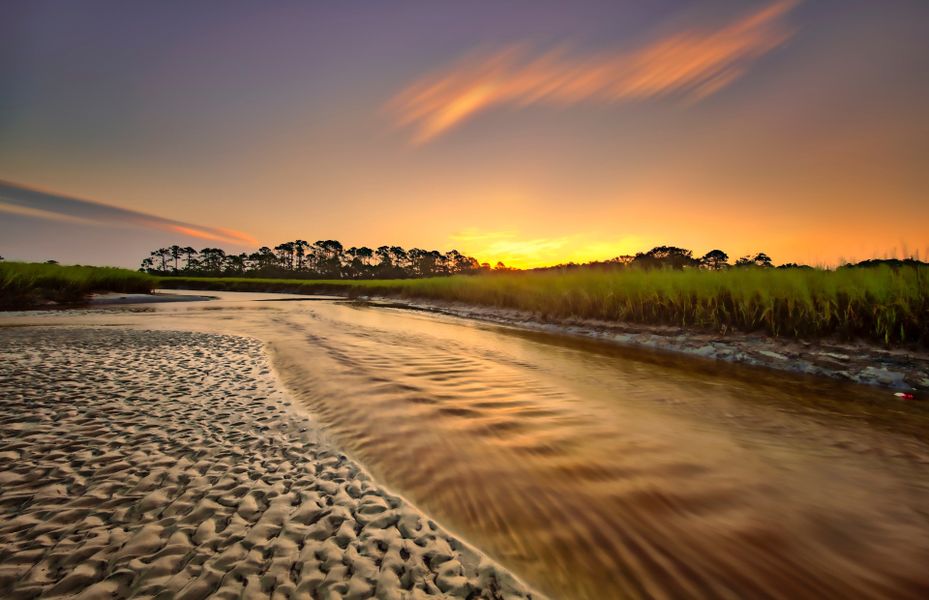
{"points": [[383, 255], [669, 257], [235, 264], [324, 259], [399, 257], [160, 258], [715, 260], [759, 260], [329, 261], [263, 261], [190, 259], [285, 254], [213, 259], [762, 260], [365, 255], [175, 252], [300, 248]]}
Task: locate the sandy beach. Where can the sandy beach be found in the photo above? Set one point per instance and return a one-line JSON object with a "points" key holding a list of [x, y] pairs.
{"points": [[159, 464]]}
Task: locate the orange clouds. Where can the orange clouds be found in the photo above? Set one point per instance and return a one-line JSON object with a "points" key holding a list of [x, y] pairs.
{"points": [[217, 234], [694, 64]]}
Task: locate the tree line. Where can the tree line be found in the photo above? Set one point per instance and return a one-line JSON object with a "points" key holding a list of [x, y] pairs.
{"points": [[324, 259], [328, 259], [673, 257]]}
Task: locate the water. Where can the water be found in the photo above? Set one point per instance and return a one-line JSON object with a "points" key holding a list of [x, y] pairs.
{"points": [[599, 472]]}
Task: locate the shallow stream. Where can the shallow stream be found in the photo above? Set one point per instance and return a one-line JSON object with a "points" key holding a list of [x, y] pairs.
{"points": [[594, 471]]}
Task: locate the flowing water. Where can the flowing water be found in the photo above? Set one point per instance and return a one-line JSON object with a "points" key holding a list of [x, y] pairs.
{"points": [[599, 472]]}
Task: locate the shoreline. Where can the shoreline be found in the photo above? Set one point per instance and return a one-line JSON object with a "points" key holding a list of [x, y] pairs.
{"points": [[175, 462], [103, 299], [855, 362], [117, 298], [900, 369]]}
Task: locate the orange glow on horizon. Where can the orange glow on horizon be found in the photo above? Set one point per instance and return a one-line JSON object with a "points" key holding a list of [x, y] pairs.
{"points": [[513, 250]]}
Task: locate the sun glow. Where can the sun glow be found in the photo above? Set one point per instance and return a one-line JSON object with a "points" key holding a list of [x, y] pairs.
{"points": [[515, 250]]}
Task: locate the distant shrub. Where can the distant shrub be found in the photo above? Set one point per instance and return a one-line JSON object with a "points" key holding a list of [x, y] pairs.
{"points": [[24, 285]]}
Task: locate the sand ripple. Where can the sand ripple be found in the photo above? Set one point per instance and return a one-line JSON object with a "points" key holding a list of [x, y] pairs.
{"points": [[164, 464]]}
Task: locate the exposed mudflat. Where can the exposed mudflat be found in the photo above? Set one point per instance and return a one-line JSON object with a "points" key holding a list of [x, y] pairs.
{"points": [[111, 298], [169, 465]]}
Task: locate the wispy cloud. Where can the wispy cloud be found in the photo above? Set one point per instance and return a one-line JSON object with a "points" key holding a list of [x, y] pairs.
{"points": [[21, 199], [694, 64]]}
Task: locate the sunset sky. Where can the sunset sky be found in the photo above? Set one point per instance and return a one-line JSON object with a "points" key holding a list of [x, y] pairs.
{"points": [[529, 132]]}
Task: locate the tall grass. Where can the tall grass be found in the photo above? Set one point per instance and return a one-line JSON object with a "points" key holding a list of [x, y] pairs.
{"points": [[889, 305], [24, 285]]}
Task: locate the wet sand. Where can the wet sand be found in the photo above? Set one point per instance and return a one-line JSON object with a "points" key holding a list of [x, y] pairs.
{"points": [[116, 298], [159, 464]]}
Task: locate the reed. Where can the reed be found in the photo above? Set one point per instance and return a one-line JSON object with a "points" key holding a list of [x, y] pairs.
{"points": [[24, 285], [884, 304]]}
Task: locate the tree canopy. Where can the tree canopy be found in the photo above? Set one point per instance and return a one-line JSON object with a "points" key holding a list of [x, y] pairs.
{"points": [[329, 259], [324, 259]]}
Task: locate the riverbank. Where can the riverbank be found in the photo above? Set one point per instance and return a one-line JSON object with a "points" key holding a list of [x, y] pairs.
{"points": [[864, 325], [160, 462], [901, 368], [882, 305], [116, 298], [857, 362]]}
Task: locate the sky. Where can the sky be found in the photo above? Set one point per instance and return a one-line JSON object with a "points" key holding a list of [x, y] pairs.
{"points": [[529, 132]]}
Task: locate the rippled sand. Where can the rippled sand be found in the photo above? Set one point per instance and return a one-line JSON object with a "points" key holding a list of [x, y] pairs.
{"points": [[169, 465]]}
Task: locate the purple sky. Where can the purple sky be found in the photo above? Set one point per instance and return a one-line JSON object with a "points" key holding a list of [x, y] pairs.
{"points": [[808, 139]]}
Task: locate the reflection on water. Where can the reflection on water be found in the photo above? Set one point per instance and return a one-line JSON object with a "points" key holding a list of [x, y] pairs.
{"points": [[596, 472]]}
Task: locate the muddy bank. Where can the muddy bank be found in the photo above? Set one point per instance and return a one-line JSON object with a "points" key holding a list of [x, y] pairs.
{"points": [[115, 298], [897, 369], [101, 299]]}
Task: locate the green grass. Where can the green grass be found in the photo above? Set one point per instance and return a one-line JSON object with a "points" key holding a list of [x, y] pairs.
{"points": [[880, 304], [25, 285]]}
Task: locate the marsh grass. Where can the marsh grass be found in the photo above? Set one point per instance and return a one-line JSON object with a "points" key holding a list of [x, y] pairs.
{"points": [[884, 304], [24, 285]]}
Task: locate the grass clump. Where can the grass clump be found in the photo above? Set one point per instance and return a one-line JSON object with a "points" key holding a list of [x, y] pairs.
{"points": [[883, 304], [25, 285]]}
